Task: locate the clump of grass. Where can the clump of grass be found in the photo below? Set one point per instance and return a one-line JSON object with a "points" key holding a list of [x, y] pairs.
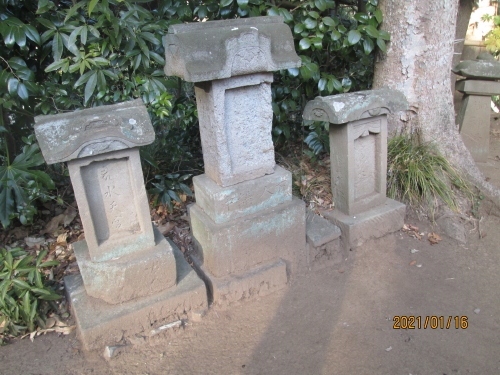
{"points": [[419, 175]]}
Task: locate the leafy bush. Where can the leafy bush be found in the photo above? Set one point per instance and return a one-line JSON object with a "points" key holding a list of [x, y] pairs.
{"points": [[419, 175], [21, 183], [24, 294], [64, 55]]}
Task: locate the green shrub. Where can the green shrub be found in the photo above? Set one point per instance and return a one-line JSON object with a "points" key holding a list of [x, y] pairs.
{"points": [[25, 297], [418, 175]]}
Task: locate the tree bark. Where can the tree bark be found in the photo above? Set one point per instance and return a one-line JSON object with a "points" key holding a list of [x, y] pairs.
{"points": [[418, 63]]}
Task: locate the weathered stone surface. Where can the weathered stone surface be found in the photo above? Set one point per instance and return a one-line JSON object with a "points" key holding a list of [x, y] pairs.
{"points": [[478, 87], [324, 246], [93, 131], [358, 154], [481, 69], [109, 190], [257, 282], [375, 223], [235, 117], [206, 51], [135, 275], [242, 244], [451, 224], [320, 231], [474, 121], [343, 108], [101, 324], [223, 204]]}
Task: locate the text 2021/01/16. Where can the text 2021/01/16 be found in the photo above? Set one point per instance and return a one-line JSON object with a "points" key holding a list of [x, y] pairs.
{"points": [[430, 321]]}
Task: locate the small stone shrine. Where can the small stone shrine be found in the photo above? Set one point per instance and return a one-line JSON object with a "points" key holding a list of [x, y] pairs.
{"points": [[132, 278], [358, 154], [479, 85], [249, 230]]}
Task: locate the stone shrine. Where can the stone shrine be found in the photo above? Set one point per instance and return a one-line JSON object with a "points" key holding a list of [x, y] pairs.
{"points": [[132, 277], [358, 154], [479, 85], [249, 229]]}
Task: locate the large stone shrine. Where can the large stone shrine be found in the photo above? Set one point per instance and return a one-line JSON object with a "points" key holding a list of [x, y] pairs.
{"points": [[358, 156], [249, 230], [132, 279]]}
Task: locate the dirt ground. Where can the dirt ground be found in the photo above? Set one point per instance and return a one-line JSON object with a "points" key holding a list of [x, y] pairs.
{"points": [[329, 321]]}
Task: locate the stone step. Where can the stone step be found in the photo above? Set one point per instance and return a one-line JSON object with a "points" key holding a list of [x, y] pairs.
{"points": [[323, 240]]}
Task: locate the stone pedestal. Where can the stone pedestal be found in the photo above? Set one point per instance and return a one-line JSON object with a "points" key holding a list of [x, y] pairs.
{"points": [[123, 259], [358, 153], [249, 230], [474, 115]]}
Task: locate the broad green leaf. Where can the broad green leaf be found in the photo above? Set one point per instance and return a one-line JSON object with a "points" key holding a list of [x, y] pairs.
{"points": [[304, 43], [310, 23], [322, 84], [22, 91], [90, 86], [381, 44], [298, 28], [202, 12], [378, 15], [225, 3], [384, 35], [57, 46], [242, 3], [56, 65], [92, 5], [321, 4], [328, 21], [336, 35], [368, 45], [294, 72], [33, 34], [371, 31], [353, 36], [313, 14], [12, 85]]}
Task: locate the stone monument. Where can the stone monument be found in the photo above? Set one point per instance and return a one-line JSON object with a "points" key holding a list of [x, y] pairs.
{"points": [[479, 85], [358, 153], [132, 277], [249, 229]]}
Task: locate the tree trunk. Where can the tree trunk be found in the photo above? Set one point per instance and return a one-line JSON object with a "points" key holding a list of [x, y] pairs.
{"points": [[418, 63]]}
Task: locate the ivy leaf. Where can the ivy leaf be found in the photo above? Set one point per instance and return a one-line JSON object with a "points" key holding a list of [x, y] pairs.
{"points": [[353, 36]]}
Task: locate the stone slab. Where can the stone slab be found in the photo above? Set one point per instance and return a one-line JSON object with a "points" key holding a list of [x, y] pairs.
{"points": [[100, 324], [481, 69], [223, 204], [244, 243], [375, 223], [236, 116], [343, 108], [140, 274], [206, 51], [109, 189], [93, 131], [320, 231], [474, 120], [257, 282], [358, 162], [478, 87], [331, 254]]}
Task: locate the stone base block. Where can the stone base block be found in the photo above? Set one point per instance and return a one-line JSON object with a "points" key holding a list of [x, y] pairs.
{"points": [[324, 246], [257, 282], [101, 324], [375, 223], [245, 243], [135, 275], [223, 204]]}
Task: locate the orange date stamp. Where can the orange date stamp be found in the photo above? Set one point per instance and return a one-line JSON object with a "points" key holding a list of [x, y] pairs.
{"points": [[430, 322]]}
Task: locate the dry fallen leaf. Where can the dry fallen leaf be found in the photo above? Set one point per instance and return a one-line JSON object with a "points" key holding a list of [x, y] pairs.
{"points": [[413, 262], [53, 224], [34, 241], [61, 239], [167, 227], [69, 215], [433, 238]]}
